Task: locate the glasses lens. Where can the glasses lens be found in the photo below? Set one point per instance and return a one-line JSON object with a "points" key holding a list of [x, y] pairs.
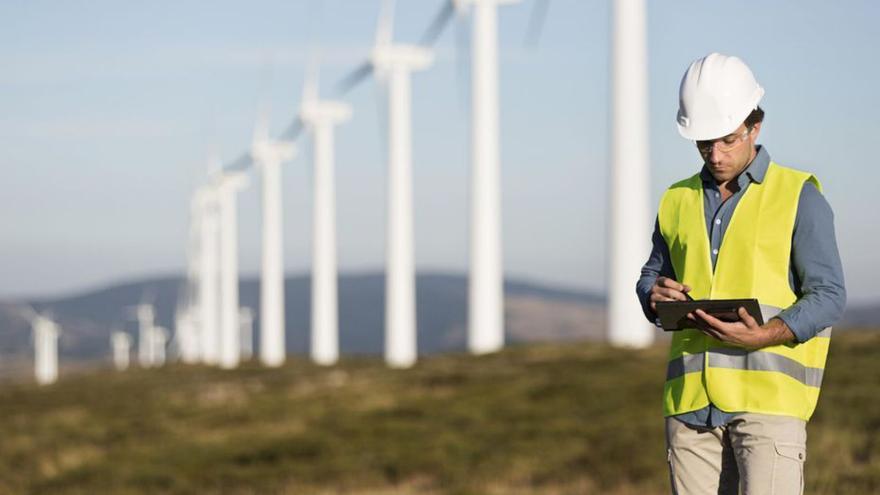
{"points": [[723, 145]]}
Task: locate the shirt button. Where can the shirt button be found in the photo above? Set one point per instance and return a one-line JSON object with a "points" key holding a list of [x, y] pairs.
{"points": [[717, 221], [717, 194], [715, 252]]}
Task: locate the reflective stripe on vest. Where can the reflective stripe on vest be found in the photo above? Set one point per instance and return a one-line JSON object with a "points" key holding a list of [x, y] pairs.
{"points": [[753, 262]]}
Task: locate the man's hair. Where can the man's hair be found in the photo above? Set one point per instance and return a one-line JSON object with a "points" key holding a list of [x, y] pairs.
{"points": [[756, 117]]}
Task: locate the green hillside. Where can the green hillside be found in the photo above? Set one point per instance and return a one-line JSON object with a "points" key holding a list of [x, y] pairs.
{"points": [[577, 418]]}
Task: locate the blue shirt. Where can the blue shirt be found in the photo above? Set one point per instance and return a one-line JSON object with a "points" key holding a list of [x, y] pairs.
{"points": [[815, 275]]}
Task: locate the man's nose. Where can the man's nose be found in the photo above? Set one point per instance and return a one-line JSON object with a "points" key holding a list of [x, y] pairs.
{"points": [[715, 155]]}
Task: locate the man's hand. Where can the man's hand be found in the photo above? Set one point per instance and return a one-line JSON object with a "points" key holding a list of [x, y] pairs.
{"points": [[745, 333], [667, 289]]}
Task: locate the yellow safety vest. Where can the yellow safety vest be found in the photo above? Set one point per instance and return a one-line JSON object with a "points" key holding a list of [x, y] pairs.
{"points": [[753, 262]]}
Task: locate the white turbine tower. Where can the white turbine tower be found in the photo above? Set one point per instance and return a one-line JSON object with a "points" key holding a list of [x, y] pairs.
{"points": [[145, 315], [158, 339], [486, 285], [630, 192], [45, 335], [227, 186], [394, 63], [246, 332], [208, 292], [269, 154], [120, 343], [319, 116], [187, 314]]}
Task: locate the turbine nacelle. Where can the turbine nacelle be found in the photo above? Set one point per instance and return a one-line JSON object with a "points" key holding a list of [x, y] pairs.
{"points": [[231, 181], [317, 112], [388, 58], [268, 151]]}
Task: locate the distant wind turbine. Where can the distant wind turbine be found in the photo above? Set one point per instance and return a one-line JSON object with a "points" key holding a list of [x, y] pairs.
{"points": [[486, 285], [228, 184], [120, 343], [45, 337], [268, 155], [394, 63], [208, 290], [319, 116]]}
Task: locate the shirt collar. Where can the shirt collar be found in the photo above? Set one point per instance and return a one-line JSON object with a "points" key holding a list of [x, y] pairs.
{"points": [[755, 172]]}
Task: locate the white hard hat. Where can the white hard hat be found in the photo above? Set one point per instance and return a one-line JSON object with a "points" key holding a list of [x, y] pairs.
{"points": [[717, 93]]}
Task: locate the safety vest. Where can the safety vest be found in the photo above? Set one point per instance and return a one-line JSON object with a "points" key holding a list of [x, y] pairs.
{"points": [[753, 262]]}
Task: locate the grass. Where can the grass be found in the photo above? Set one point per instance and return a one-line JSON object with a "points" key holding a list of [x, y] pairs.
{"points": [[539, 419]]}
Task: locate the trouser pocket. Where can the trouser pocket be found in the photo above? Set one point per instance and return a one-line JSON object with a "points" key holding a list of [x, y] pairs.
{"points": [[788, 472]]}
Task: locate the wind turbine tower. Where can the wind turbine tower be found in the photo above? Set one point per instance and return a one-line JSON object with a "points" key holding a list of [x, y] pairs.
{"points": [[246, 332], [269, 155], [46, 334], [320, 116], [145, 315], [394, 64], [630, 171], [208, 292], [486, 284], [397, 62], [120, 343], [228, 184]]}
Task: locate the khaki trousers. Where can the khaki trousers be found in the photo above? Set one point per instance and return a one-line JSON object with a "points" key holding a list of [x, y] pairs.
{"points": [[757, 453]]}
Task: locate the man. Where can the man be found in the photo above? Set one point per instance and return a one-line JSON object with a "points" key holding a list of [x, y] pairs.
{"points": [[738, 394]]}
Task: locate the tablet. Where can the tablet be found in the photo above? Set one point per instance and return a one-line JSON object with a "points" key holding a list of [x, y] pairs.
{"points": [[673, 314]]}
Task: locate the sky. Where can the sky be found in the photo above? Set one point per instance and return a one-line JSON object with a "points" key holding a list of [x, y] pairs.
{"points": [[110, 110]]}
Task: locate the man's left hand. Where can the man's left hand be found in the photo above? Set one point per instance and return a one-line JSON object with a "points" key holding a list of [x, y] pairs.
{"points": [[746, 332]]}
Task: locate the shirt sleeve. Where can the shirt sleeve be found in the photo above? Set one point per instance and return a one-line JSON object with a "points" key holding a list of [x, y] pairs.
{"points": [[658, 264], [817, 272]]}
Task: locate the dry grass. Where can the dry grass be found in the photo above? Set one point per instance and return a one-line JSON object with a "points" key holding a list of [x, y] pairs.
{"points": [[538, 419]]}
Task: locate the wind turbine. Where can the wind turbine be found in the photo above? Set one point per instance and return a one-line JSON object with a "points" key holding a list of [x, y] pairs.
{"points": [[208, 293], [246, 332], [120, 343], [630, 174], [486, 284], [145, 315], [227, 185], [320, 116], [45, 334], [158, 339], [392, 64], [186, 320], [269, 154]]}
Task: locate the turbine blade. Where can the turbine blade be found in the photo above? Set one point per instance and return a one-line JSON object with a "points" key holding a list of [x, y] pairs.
{"points": [[463, 61], [311, 83], [382, 117], [354, 78], [385, 26], [243, 162], [293, 130], [537, 20], [441, 20]]}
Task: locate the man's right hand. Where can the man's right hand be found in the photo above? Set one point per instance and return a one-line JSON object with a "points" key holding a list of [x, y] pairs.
{"points": [[667, 289]]}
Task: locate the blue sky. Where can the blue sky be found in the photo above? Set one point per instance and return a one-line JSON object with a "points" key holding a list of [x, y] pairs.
{"points": [[108, 111]]}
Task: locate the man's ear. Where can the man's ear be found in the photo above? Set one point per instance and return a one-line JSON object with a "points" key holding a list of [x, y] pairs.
{"points": [[756, 130]]}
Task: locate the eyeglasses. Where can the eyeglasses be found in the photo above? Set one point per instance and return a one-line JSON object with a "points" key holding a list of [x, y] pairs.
{"points": [[725, 144]]}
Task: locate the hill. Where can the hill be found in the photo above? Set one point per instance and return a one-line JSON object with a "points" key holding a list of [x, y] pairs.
{"points": [[533, 312], [539, 419]]}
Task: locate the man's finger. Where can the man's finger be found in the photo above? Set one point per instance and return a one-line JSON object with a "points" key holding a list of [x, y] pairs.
{"points": [[747, 318], [669, 283], [711, 320]]}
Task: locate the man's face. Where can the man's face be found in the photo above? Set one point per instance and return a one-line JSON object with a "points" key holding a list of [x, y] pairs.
{"points": [[728, 156]]}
